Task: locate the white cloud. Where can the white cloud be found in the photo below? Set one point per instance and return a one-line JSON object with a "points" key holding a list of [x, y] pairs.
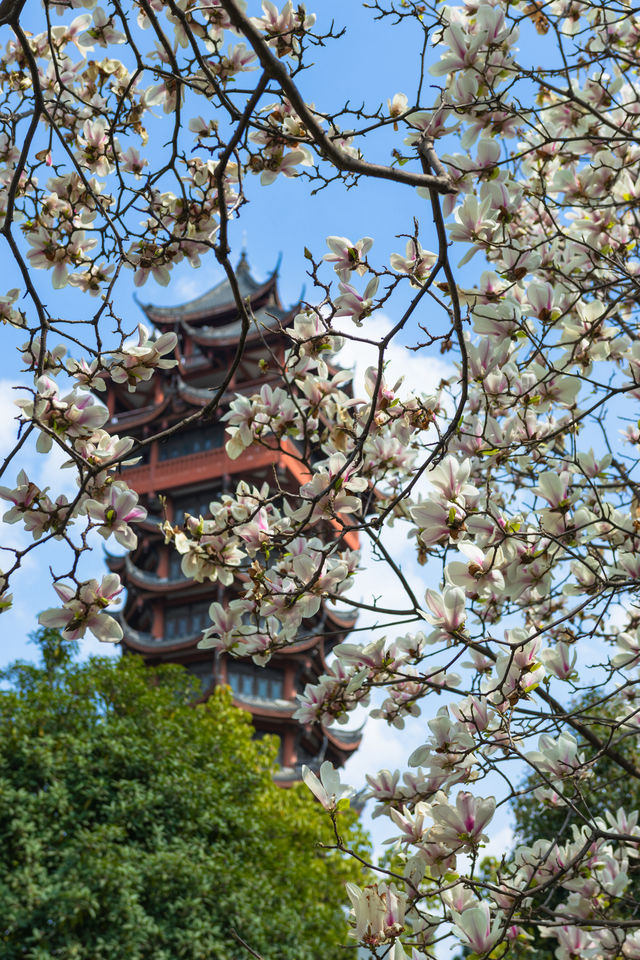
{"points": [[421, 372]]}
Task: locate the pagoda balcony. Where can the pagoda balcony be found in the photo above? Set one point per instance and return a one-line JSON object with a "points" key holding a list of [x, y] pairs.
{"points": [[265, 706], [151, 581], [196, 468], [147, 642]]}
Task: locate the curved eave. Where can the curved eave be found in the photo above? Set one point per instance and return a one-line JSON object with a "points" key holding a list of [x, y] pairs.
{"points": [[287, 776], [345, 621], [115, 563], [147, 644], [179, 314], [137, 418], [196, 396], [151, 582], [267, 709], [268, 322], [348, 741]]}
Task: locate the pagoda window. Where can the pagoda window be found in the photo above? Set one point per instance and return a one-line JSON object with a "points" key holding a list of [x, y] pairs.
{"points": [[197, 504], [186, 621], [175, 566], [183, 444], [246, 680], [202, 670]]}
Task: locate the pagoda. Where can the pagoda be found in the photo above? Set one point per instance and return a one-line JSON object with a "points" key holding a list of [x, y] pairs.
{"points": [[164, 614]]}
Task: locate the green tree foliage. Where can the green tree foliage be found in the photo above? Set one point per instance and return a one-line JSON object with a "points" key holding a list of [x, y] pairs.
{"points": [[603, 787], [135, 825]]}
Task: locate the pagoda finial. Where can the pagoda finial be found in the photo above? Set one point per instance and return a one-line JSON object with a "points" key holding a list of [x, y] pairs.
{"points": [[243, 263]]}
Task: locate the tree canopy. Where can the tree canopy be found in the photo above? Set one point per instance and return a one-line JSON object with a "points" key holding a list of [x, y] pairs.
{"points": [[135, 825]]}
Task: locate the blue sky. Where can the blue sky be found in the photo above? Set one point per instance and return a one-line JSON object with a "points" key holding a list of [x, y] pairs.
{"points": [[371, 63]]}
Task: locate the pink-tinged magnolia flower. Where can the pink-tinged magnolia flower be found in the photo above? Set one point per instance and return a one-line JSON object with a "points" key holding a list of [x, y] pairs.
{"points": [[417, 263], [356, 305], [101, 31], [283, 27], [451, 477], [23, 497], [7, 312], [146, 258], [557, 756], [463, 824], [473, 224], [131, 162], [560, 660], [328, 789], [448, 612], [437, 521], [72, 416], [87, 374], [114, 516], [347, 256], [378, 911], [482, 576], [228, 628], [48, 252], [475, 928], [411, 823], [97, 151], [31, 505], [332, 490], [383, 786], [136, 362], [84, 609], [285, 163]]}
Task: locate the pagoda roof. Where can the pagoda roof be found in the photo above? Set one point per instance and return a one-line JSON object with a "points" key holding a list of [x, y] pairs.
{"points": [[266, 319], [217, 301]]}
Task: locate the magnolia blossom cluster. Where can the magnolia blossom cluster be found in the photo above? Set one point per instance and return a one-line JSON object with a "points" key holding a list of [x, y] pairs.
{"points": [[74, 422], [510, 481]]}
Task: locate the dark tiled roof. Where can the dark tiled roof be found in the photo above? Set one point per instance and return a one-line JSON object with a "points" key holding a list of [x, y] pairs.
{"points": [[266, 318], [213, 300]]}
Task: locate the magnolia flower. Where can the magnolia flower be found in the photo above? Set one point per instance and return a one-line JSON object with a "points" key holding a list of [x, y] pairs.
{"points": [[416, 262], [101, 32], [285, 163], [378, 912], [116, 513], [450, 477], [73, 416], [7, 312], [482, 575], [228, 627], [464, 823], [397, 104], [328, 789], [83, 609], [475, 928], [557, 756], [560, 660], [448, 612], [136, 362], [347, 256], [355, 305]]}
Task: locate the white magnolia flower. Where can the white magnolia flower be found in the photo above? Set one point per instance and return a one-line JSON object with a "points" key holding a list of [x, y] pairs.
{"points": [[328, 789]]}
